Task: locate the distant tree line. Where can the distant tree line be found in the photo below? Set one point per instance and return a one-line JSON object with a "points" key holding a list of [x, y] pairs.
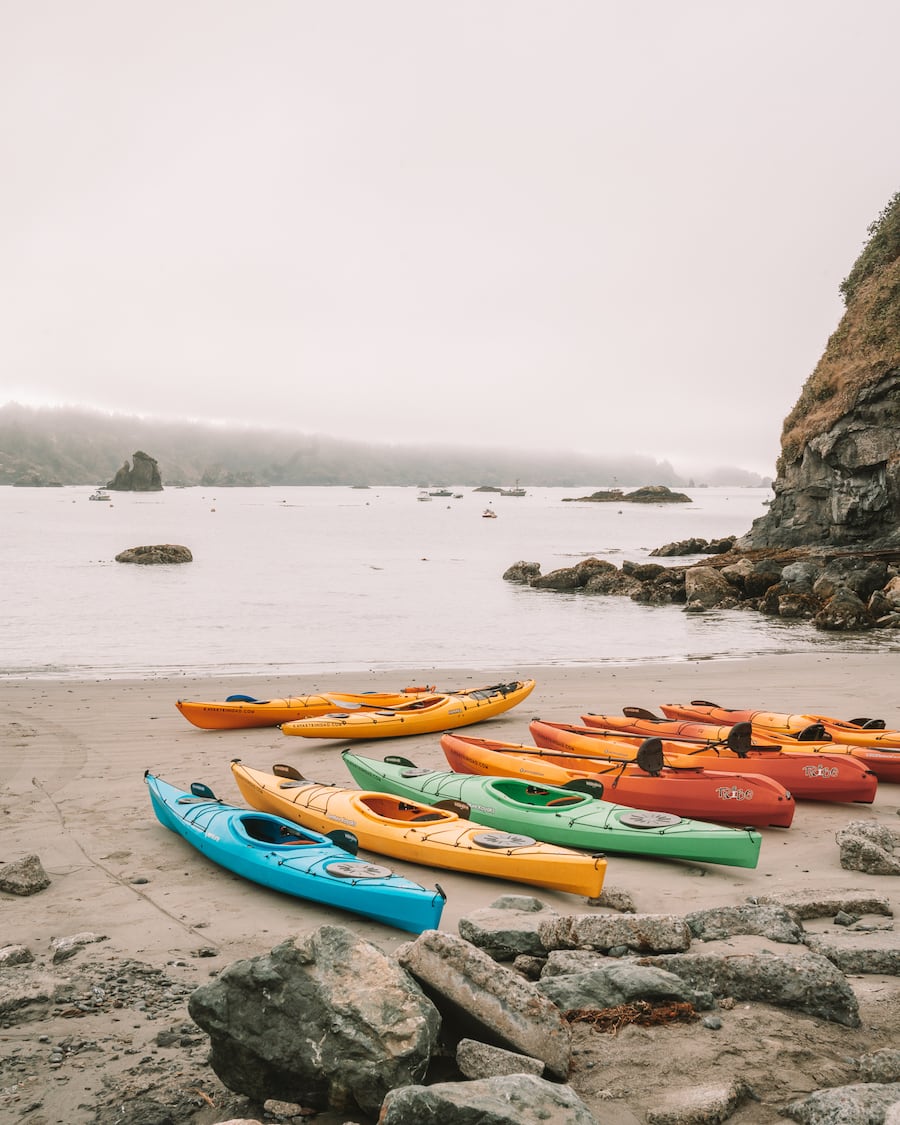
{"points": [[71, 446]]}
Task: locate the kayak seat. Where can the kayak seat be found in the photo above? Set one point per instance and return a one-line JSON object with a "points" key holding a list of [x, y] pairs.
{"points": [[563, 801], [423, 817]]}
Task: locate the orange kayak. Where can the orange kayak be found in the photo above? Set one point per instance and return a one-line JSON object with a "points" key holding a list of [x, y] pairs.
{"points": [[878, 748], [241, 711], [744, 800], [809, 777]]}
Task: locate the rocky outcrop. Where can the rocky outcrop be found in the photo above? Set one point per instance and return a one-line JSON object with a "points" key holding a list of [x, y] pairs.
{"points": [[649, 494], [156, 554], [844, 486], [324, 1020], [838, 478], [835, 590], [142, 476]]}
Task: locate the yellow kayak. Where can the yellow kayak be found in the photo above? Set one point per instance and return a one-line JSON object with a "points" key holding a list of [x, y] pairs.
{"points": [[436, 836], [241, 711], [421, 715]]}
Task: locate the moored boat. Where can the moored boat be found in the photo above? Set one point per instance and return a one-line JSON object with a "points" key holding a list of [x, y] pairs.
{"points": [[421, 715], [410, 830], [820, 777], [276, 853], [643, 783], [572, 817]]}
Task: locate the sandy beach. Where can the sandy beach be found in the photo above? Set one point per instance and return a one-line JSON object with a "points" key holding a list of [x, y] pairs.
{"points": [[74, 755]]}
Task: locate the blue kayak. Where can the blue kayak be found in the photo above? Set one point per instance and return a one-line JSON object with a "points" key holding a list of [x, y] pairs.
{"points": [[279, 854]]}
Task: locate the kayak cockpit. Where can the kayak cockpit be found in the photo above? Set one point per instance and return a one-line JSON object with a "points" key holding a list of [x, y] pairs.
{"points": [[269, 830]]}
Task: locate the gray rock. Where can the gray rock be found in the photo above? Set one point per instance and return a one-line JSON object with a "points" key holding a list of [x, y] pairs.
{"points": [[614, 898], [880, 1066], [324, 1020], [23, 876], [65, 947], [700, 1105], [705, 588], [564, 578], [859, 1104], [772, 922], [517, 1099], [620, 982], [645, 933], [868, 846], [798, 979], [561, 962], [156, 554], [819, 904], [508, 928], [15, 955], [859, 951], [482, 1060], [844, 612], [21, 987], [495, 1001], [522, 571]]}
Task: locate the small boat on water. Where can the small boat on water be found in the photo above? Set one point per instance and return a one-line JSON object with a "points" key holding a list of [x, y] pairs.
{"points": [[645, 782], [437, 836], [420, 715], [489, 514], [276, 853], [820, 777], [99, 494], [574, 816]]}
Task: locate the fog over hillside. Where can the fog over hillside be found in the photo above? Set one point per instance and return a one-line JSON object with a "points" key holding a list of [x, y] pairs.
{"points": [[69, 446]]}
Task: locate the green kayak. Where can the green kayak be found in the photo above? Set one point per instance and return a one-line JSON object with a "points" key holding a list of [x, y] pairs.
{"points": [[573, 816]]}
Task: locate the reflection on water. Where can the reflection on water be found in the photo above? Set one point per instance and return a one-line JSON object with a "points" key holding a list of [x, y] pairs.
{"points": [[336, 579]]}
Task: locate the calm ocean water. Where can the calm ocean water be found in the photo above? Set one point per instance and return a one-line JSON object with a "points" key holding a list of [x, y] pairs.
{"points": [[302, 580]]}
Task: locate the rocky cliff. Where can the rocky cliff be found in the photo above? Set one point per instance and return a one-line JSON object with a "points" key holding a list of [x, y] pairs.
{"points": [[142, 477], [838, 476]]}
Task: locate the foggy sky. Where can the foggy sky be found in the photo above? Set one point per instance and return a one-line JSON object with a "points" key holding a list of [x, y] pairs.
{"points": [[585, 226]]}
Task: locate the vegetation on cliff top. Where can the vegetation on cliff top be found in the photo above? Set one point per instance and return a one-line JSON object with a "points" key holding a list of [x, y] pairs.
{"points": [[865, 345]]}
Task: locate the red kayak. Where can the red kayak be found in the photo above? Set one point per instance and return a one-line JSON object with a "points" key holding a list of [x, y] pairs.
{"points": [[642, 783], [808, 776]]}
